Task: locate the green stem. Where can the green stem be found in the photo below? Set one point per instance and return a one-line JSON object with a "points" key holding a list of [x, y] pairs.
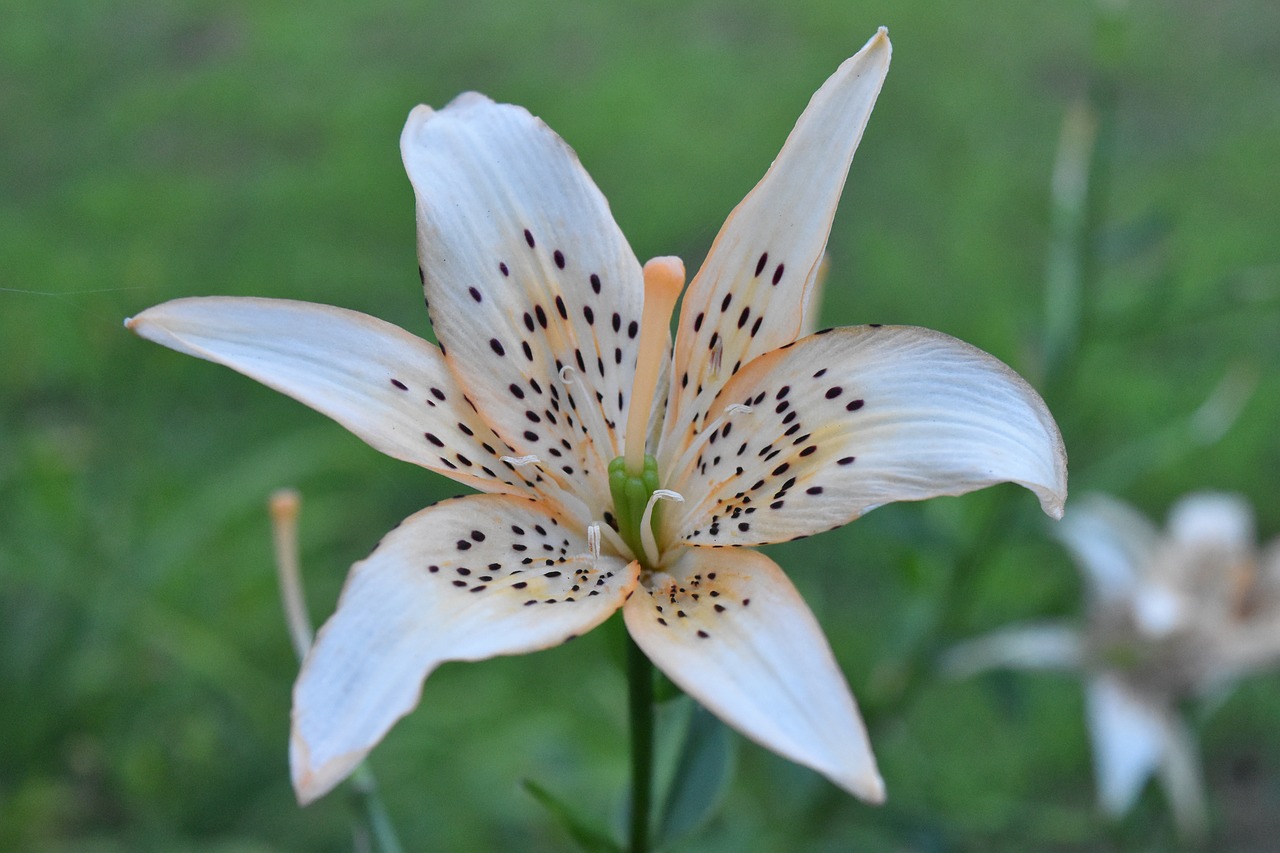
{"points": [[640, 695], [376, 819]]}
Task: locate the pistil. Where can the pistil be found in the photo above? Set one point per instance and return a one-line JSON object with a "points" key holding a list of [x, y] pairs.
{"points": [[633, 477], [663, 281]]}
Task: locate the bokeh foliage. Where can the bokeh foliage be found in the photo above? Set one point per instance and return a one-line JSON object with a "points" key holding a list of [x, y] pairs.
{"points": [[153, 149]]}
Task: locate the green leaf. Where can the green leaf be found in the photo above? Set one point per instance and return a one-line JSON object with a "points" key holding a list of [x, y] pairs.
{"points": [[703, 769], [588, 837]]}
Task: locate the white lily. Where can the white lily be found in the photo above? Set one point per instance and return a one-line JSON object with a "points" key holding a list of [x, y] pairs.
{"points": [[556, 391], [1171, 615]]}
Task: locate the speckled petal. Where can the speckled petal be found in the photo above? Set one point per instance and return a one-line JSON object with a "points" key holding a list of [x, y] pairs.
{"points": [[526, 275], [730, 629], [753, 292], [466, 579], [849, 419], [387, 386]]}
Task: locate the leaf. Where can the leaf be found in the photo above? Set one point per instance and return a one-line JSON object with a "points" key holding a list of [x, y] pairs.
{"points": [[589, 838], [703, 769]]}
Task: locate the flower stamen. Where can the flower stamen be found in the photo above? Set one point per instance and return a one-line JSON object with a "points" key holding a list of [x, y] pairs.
{"points": [[690, 454], [594, 427], [647, 539], [593, 541], [520, 461]]}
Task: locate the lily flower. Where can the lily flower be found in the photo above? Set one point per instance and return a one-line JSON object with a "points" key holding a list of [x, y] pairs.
{"points": [[619, 471], [1171, 616]]}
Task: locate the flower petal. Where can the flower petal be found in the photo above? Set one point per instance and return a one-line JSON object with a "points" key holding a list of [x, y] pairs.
{"points": [[1212, 521], [752, 293], [730, 629], [1112, 544], [466, 579], [848, 419], [1130, 735], [1182, 780], [1048, 646], [390, 388], [526, 274]]}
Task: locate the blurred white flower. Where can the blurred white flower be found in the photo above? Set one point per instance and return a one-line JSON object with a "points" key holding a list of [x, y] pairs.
{"points": [[1171, 615]]}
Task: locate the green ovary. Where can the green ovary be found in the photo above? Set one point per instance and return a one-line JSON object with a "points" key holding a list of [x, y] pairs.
{"points": [[631, 494]]}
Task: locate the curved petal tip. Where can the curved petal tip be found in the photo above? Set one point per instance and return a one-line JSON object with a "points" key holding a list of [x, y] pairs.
{"points": [[868, 787], [310, 783]]}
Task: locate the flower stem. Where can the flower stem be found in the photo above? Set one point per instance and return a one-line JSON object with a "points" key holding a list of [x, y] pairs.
{"points": [[377, 822], [640, 694]]}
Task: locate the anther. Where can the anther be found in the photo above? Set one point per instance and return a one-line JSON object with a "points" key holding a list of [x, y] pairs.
{"points": [[518, 461], [646, 522]]}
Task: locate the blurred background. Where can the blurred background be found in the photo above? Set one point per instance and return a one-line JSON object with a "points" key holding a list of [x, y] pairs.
{"points": [[150, 150]]}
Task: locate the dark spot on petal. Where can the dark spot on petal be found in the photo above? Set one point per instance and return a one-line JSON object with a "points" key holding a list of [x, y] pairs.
{"points": [[764, 259]]}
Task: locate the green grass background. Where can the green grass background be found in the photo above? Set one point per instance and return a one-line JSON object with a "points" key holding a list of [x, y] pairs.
{"points": [[150, 150]]}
